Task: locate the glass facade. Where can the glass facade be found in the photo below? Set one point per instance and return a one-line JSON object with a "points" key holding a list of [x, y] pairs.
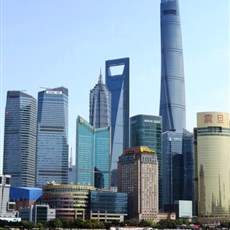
{"points": [[172, 174], [52, 137], [172, 99], [177, 167], [212, 168], [118, 84], [146, 130], [100, 105], [20, 138], [108, 202], [92, 155], [188, 169]]}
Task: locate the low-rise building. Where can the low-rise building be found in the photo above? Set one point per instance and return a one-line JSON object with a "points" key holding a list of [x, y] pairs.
{"points": [[37, 213], [24, 197], [108, 206], [70, 201]]}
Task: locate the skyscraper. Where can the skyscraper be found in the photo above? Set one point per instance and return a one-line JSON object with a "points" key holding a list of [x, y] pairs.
{"points": [[20, 139], [92, 155], [100, 105], [212, 168], [188, 163], [138, 176], [52, 136], [146, 130], [172, 168], [118, 84], [172, 99], [177, 168]]}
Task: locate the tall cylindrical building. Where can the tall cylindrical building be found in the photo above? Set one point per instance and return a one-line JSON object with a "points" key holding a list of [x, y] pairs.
{"points": [[172, 100], [212, 167]]}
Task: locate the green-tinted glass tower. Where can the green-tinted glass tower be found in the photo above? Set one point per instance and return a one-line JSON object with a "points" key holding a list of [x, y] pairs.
{"points": [[145, 130], [92, 155]]}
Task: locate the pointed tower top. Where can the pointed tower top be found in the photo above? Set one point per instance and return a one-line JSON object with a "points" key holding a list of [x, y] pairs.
{"points": [[100, 80]]}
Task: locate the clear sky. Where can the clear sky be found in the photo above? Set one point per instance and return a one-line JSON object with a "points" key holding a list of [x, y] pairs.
{"points": [[51, 43]]}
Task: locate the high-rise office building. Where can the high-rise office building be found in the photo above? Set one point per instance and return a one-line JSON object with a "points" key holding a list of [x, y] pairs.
{"points": [[20, 139], [52, 136], [118, 84], [212, 168], [146, 130], [172, 99], [100, 105], [188, 166], [172, 168], [138, 176], [177, 168], [92, 155]]}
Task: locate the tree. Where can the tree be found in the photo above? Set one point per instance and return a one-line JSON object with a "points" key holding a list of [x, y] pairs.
{"points": [[55, 223], [145, 223], [27, 224], [40, 226]]}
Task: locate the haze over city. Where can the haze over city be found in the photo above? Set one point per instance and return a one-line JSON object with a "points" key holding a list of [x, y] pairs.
{"points": [[65, 43]]}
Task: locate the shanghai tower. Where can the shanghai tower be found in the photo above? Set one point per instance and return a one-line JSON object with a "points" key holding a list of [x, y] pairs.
{"points": [[172, 100]]}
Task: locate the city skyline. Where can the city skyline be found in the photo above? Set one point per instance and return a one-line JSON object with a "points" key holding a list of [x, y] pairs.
{"points": [[42, 49]]}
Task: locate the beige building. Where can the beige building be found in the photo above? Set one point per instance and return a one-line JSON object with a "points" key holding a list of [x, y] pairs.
{"points": [[70, 201], [212, 165], [138, 176]]}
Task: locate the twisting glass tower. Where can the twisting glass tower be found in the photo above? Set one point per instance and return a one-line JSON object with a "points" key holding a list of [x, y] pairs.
{"points": [[172, 101], [100, 105]]}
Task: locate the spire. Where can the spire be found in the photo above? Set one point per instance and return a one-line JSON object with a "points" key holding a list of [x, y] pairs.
{"points": [[100, 80]]}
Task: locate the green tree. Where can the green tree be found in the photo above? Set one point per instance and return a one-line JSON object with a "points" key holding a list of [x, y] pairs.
{"points": [[40, 226], [27, 224], [55, 223], [167, 224], [145, 223], [78, 223], [68, 223]]}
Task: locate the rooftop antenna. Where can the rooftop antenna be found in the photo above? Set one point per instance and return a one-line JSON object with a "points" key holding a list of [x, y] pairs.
{"points": [[100, 81]]}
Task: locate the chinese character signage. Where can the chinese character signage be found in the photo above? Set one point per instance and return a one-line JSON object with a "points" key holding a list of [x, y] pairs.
{"points": [[206, 119]]}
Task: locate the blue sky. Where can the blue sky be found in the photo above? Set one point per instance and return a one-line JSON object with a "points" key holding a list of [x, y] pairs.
{"points": [[66, 42]]}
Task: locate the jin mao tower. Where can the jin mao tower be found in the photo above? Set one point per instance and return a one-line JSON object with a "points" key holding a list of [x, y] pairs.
{"points": [[100, 105]]}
